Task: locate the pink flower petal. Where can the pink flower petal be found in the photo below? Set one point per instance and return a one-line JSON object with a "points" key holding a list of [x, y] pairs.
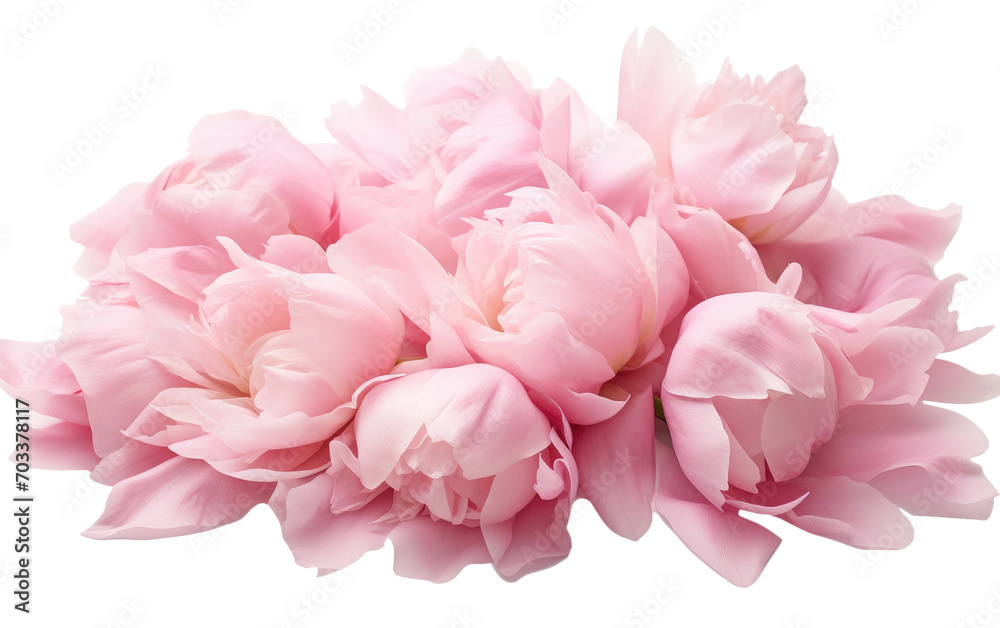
{"points": [[179, 496], [616, 461]]}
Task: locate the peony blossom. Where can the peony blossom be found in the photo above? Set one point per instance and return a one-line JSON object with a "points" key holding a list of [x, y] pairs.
{"points": [[455, 466], [468, 136], [259, 398], [472, 310], [553, 288], [857, 257], [766, 399], [734, 146], [245, 178]]}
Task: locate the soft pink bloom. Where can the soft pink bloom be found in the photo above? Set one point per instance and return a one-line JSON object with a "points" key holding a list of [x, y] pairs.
{"points": [[552, 288], [720, 259], [734, 146], [468, 136], [271, 361], [60, 433], [455, 466], [807, 413], [858, 257], [480, 306], [245, 178]]}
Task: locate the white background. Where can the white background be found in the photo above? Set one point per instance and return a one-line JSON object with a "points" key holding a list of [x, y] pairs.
{"points": [[885, 95]]}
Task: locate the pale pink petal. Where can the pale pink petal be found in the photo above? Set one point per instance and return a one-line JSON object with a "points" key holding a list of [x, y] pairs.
{"points": [[540, 356], [319, 538], [701, 444], [850, 512], [951, 488], [179, 496], [131, 459], [793, 426], [535, 539], [736, 160], [101, 230], [734, 547], [483, 412], [408, 273], [436, 550], [33, 372], [61, 446], [873, 439], [251, 151], [919, 457], [359, 339], [613, 163], [654, 78], [721, 260], [951, 383], [616, 461], [107, 354], [743, 345], [375, 131]]}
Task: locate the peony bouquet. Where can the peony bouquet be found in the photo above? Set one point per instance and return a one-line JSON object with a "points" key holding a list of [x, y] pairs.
{"points": [[461, 316]]}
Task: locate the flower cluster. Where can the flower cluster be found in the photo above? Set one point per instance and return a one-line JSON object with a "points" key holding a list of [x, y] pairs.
{"points": [[463, 315]]}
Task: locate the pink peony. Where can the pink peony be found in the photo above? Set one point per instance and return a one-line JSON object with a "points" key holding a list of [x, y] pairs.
{"points": [[857, 257], [454, 465], [472, 310], [246, 178], [468, 137], [258, 399], [735, 146], [553, 288], [770, 403]]}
